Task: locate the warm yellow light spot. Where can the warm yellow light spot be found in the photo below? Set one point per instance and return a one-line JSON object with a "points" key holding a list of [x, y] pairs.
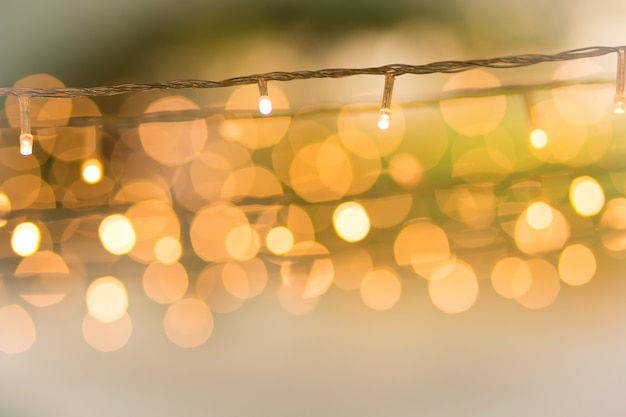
{"points": [[151, 220], [586, 196], [5, 208], [48, 278], [354, 127], [539, 215], [26, 238], [210, 289], [165, 283], [117, 234], [322, 171], [244, 279], [577, 264], [540, 232], [17, 330], [351, 221], [538, 138], [188, 323], [381, 289], [167, 250], [544, 286], [423, 246], [510, 277], [473, 116], [453, 287], [220, 219], [91, 171], [107, 337], [107, 300], [613, 226], [176, 142], [242, 243], [405, 170], [250, 181], [241, 125], [581, 104], [279, 240]]}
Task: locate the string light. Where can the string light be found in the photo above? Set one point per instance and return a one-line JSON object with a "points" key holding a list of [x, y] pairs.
{"points": [[384, 116], [620, 83], [351, 220], [265, 104], [26, 138]]}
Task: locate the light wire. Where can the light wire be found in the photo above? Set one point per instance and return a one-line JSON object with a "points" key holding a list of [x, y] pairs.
{"points": [[396, 70]]}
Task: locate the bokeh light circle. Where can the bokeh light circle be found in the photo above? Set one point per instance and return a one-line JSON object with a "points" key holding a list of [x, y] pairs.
{"points": [[107, 299], [351, 221]]}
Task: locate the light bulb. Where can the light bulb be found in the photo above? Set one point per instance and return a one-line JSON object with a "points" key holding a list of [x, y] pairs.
{"points": [[265, 104], [384, 117], [92, 171], [619, 103], [26, 138], [26, 144]]}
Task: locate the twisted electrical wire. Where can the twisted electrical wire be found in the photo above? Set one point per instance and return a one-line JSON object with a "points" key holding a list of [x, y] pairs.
{"points": [[513, 61]]}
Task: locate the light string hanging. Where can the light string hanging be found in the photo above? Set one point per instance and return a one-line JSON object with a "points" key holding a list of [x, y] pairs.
{"points": [[384, 118], [265, 105], [26, 137], [513, 61]]}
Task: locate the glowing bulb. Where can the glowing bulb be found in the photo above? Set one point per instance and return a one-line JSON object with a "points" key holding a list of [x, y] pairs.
{"points": [[620, 83], [538, 138], [26, 144], [26, 238], [26, 138], [91, 171], [384, 117], [265, 104]]}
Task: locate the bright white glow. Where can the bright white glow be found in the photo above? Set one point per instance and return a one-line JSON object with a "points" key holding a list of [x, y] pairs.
{"points": [[384, 119], [351, 221], [538, 138], [265, 105], [26, 238], [92, 171], [117, 234], [26, 144], [107, 300], [619, 107], [586, 196]]}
